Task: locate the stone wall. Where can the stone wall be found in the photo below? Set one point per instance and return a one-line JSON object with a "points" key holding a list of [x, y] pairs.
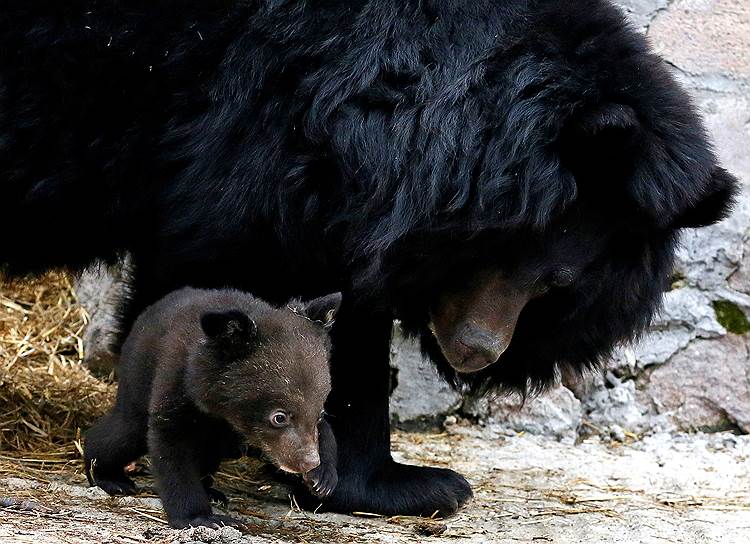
{"points": [[692, 371]]}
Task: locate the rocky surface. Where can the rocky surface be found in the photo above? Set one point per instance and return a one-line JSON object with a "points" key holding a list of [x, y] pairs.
{"points": [[419, 395], [687, 489]]}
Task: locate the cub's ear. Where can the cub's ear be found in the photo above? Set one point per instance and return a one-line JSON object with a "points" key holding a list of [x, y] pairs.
{"points": [[714, 205], [321, 310], [232, 327]]}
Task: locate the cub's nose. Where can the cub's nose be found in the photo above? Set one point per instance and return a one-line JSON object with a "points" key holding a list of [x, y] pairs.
{"points": [[308, 462], [477, 348]]}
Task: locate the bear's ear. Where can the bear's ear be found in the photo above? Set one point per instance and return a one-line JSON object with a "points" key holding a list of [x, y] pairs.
{"points": [[232, 327], [321, 310], [609, 123], [599, 143], [715, 203], [664, 169]]}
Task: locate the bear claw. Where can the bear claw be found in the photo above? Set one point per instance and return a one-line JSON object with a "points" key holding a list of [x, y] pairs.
{"points": [[125, 486], [321, 481], [211, 521]]}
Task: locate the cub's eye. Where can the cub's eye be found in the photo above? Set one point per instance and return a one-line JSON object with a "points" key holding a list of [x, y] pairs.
{"points": [[279, 419]]}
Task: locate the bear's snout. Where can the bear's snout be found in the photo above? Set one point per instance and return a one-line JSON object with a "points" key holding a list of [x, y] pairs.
{"points": [[475, 348], [474, 325]]}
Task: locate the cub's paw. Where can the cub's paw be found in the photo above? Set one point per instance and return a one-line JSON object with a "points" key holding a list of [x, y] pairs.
{"points": [[119, 486], [213, 521], [217, 497], [321, 481]]}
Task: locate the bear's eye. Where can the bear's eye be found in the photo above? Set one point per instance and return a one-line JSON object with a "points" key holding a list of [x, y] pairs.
{"points": [[541, 288], [562, 277], [279, 419]]}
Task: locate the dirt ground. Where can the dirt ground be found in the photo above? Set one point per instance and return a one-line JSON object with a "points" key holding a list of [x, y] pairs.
{"points": [[683, 489]]}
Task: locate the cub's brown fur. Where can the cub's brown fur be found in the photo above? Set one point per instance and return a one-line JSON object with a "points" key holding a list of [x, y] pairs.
{"points": [[204, 372]]}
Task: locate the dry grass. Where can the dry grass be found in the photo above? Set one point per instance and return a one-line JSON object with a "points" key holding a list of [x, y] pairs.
{"points": [[46, 395]]}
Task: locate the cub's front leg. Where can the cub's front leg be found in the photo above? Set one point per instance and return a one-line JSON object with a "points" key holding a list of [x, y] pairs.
{"points": [[321, 481], [177, 447]]}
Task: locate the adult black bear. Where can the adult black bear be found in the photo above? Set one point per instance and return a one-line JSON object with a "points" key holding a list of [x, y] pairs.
{"points": [[483, 170], [204, 372]]}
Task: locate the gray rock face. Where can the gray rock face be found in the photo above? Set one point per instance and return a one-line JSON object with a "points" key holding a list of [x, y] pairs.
{"points": [[687, 314], [611, 406], [420, 394], [556, 413], [705, 37], [704, 387], [642, 12]]}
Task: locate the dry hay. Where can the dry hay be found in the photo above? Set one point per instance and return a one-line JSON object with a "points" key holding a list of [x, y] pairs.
{"points": [[46, 395]]}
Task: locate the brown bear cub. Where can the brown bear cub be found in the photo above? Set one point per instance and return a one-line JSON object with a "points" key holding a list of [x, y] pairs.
{"points": [[202, 374]]}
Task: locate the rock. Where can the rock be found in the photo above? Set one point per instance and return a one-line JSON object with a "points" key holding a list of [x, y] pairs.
{"points": [[658, 345], [642, 12], [612, 406], [617, 433], [556, 412], [689, 308], [704, 387], [225, 535], [420, 394], [740, 279], [687, 314], [705, 36], [613, 402], [709, 256], [726, 113]]}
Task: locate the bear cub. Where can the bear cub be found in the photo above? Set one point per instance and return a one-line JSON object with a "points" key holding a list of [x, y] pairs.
{"points": [[202, 375]]}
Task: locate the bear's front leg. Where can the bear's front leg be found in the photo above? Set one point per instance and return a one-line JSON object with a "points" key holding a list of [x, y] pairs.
{"points": [[176, 444], [369, 480]]}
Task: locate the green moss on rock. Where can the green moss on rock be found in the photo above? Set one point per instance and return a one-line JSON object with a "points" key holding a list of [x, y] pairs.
{"points": [[731, 317], [677, 281]]}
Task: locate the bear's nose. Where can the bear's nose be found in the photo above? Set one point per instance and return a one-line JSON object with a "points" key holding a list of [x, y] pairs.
{"points": [[477, 348]]}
